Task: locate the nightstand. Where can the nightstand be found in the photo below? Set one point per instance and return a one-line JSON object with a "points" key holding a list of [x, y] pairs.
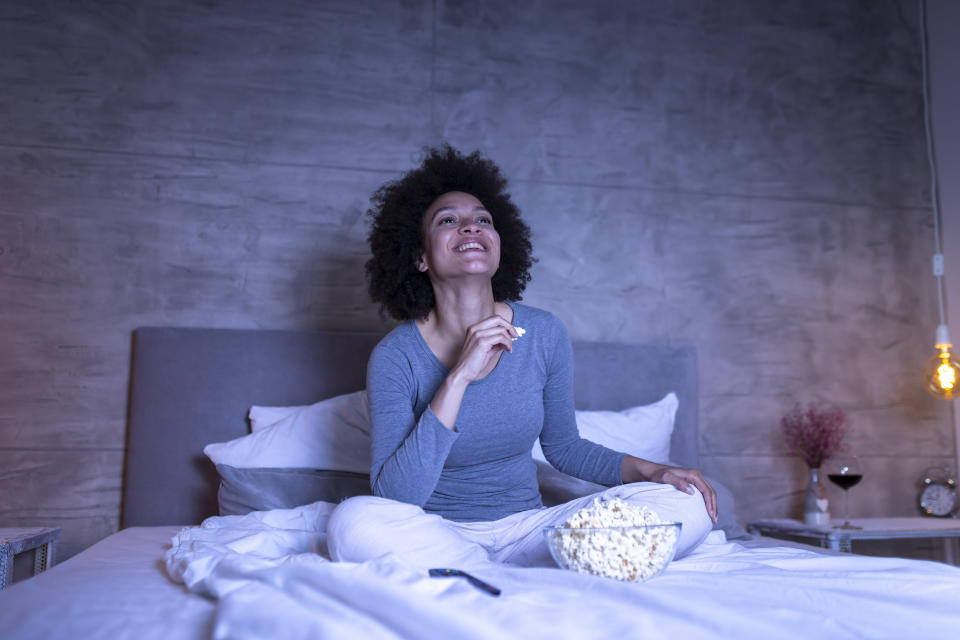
{"points": [[42, 541], [838, 539]]}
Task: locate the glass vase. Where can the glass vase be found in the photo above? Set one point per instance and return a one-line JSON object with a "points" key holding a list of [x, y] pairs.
{"points": [[816, 507]]}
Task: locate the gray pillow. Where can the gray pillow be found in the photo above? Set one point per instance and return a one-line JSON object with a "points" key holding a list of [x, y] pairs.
{"points": [[245, 490]]}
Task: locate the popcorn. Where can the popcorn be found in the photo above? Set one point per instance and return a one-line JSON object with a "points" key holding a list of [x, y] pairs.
{"points": [[606, 547], [519, 331]]}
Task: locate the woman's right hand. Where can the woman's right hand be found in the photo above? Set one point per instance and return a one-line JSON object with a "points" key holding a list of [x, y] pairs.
{"points": [[483, 344]]}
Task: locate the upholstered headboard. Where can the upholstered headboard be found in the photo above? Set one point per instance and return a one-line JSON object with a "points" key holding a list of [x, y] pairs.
{"points": [[191, 387]]}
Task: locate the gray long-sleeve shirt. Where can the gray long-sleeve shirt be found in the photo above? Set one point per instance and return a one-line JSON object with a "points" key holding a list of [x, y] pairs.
{"points": [[481, 470]]}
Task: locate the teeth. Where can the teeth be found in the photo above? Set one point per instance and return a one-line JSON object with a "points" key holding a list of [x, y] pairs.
{"points": [[469, 245]]}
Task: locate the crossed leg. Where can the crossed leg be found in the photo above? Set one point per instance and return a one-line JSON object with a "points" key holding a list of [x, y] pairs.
{"points": [[366, 527]]}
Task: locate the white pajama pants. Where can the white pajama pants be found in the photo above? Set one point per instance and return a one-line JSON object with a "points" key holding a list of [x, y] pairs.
{"points": [[365, 527]]}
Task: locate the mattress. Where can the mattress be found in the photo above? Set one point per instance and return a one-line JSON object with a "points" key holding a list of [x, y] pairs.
{"points": [[116, 589], [265, 575], [267, 571]]}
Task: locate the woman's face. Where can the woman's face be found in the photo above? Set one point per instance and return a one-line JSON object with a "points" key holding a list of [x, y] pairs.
{"points": [[459, 238]]}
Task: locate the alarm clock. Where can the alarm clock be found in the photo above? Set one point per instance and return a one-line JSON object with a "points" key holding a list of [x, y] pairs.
{"points": [[938, 494]]}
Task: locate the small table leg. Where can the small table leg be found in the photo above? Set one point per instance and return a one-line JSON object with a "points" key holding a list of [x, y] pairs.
{"points": [[6, 565], [840, 543], [43, 559]]}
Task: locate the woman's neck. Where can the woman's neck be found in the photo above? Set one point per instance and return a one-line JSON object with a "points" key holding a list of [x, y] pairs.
{"points": [[457, 309]]}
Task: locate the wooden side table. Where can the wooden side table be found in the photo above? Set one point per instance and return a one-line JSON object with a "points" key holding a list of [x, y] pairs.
{"points": [[839, 539], [14, 541]]}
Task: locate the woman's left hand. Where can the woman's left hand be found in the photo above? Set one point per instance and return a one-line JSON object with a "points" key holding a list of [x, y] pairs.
{"points": [[638, 470]]}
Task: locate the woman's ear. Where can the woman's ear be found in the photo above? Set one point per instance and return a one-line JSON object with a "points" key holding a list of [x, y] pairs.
{"points": [[422, 264]]}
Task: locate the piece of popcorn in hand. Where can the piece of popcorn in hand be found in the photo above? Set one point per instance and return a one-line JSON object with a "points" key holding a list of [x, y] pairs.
{"points": [[519, 331]]}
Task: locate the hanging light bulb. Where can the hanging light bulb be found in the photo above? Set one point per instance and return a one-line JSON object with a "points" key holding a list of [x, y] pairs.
{"points": [[941, 373]]}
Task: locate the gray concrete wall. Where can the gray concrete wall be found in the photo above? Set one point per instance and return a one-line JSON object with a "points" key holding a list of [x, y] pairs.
{"points": [[748, 177]]}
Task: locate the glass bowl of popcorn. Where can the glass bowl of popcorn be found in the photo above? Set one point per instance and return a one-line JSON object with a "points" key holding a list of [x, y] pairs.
{"points": [[614, 539]]}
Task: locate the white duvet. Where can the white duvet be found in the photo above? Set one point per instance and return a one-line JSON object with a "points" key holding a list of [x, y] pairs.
{"points": [[268, 573]]}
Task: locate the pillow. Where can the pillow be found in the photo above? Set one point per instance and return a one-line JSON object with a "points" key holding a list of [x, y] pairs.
{"points": [[297, 455], [333, 435], [263, 417], [246, 490], [556, 487], [642, 431]]}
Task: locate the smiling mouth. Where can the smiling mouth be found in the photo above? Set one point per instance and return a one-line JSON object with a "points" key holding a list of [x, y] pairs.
{"points": [[470, 246]]}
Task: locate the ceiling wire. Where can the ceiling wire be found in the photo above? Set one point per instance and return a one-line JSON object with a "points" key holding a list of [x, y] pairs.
{"points": [[931, 156]]}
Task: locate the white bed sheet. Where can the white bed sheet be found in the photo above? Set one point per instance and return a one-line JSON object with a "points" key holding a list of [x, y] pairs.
{"points": [[270, 579], [264, 576], [116, 589]]}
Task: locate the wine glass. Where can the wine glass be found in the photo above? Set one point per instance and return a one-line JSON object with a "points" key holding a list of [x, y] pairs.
{"points": [[844, 471]]}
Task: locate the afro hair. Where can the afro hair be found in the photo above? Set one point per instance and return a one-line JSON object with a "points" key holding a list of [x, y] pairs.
{"points": [[396, 231]]}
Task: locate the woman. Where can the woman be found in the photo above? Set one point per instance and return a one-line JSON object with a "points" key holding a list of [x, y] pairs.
{"points": [[460, 391]]}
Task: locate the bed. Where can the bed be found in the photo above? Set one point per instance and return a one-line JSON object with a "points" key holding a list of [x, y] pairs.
{"points": [[263, 573]]}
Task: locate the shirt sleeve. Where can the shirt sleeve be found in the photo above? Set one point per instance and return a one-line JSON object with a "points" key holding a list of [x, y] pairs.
{"points": [[560, 440], [407, 450]]}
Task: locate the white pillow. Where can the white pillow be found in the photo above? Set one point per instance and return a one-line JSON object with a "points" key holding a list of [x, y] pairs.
{"points": [[642, 431], [263, 417], [335, 434], [332, 434]]}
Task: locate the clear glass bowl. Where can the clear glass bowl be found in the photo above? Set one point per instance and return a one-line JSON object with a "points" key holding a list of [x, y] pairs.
{"points": [[633, 554]]}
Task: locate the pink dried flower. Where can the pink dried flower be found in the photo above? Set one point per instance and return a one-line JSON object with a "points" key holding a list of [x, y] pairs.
{"points": [[815, 433]]}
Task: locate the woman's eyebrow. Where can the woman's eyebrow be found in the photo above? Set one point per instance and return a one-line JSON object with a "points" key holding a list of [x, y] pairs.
{"points": [[453, 208]]}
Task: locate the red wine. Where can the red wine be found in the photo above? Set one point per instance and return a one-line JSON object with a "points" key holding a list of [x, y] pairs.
{"points": [[845, 481]]}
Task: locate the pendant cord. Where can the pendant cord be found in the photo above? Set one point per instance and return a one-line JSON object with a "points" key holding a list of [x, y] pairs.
{"points": [[931, 156]]}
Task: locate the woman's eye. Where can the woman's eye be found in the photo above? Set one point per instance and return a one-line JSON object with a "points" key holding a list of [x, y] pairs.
{"points": [[485, 220], [447, 220]]}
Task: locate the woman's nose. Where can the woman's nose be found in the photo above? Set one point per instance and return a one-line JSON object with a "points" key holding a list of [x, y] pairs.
{"points": [[469, 227]]}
